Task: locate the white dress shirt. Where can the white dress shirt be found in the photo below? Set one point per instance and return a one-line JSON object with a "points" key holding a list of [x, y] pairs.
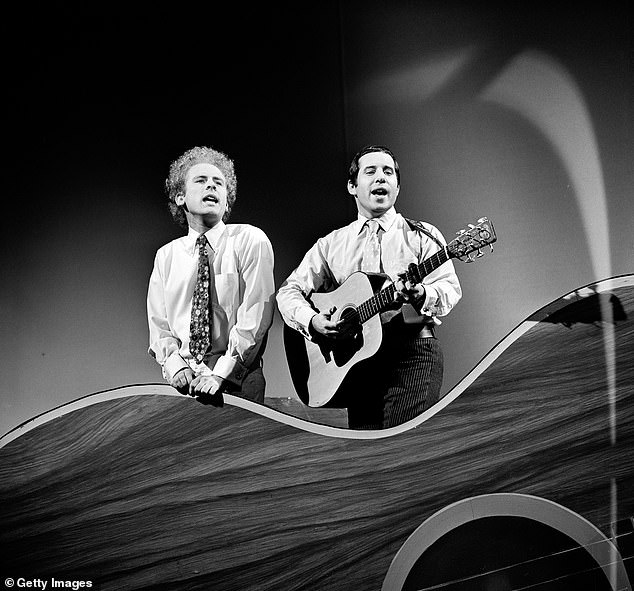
{"points": [[339, 254], [242, 301]]}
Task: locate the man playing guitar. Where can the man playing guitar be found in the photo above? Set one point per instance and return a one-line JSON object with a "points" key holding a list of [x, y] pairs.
{"points": [[403, 375]]}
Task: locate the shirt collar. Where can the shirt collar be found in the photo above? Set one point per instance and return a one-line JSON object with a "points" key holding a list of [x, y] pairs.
{"points": [[385, 221], [213, 237]]}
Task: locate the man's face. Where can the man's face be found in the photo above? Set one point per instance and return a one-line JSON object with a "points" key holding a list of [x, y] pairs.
{"points": [[205, 197], [377, 186]]}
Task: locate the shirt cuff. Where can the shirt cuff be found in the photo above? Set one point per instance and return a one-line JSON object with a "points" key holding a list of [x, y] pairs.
{"points": [[303, 317], [431, 305], [230, 369], [173, 364]]}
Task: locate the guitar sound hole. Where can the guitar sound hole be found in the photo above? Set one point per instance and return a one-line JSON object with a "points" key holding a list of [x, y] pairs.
{"points": [[350, 315], [345, 349]]}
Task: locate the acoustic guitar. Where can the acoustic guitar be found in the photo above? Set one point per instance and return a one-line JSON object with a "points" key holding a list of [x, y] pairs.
{"points": [[319, 367]]}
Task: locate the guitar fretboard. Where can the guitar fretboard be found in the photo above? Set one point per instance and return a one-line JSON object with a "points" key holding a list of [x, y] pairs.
{"points": [[384, 298]]}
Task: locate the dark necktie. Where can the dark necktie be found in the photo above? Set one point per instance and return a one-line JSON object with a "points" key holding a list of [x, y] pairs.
{"points": [[200, 326]]}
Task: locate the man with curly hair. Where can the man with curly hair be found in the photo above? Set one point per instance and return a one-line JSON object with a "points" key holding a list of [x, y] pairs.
{"points": [[211, 292]]}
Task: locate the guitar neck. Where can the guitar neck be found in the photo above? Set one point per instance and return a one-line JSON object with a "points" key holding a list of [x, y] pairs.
{"points": [[384, 298]]}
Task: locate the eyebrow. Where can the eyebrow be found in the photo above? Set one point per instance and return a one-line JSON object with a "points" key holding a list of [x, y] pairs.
{"points": [[374, 167], [206, 176]]}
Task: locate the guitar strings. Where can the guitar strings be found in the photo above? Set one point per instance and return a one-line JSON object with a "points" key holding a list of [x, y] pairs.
{"points": [[586, 547], [385, 297]]}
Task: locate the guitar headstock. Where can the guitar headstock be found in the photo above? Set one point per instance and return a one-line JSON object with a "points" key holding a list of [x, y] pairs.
{"points": [[471, 239]]}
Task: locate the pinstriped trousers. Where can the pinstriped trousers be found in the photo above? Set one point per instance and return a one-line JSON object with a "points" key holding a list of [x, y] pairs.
{"points": [[397, 384]]}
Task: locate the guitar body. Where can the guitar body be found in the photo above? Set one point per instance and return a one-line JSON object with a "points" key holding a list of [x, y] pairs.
{"points": [[319, 367]]}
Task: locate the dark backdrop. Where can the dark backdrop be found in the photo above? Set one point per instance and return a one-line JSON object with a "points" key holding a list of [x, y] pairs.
{"points": [[523, 115]]}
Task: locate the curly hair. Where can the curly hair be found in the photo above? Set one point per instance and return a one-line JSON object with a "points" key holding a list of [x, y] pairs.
{"points": [[353, 171], [175, 182]]}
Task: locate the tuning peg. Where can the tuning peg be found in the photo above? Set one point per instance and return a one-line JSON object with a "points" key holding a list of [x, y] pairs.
{"points": [[480, 253]]}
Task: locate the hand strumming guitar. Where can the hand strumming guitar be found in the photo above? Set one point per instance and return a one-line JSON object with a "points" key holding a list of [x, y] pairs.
{"points": [[322, 324]]}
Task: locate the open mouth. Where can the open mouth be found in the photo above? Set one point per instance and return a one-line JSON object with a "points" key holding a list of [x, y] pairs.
{"points": [[379, 191], [210, 199]]}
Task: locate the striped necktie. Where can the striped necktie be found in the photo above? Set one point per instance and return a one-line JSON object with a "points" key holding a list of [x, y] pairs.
{"points": [[200, 325]]}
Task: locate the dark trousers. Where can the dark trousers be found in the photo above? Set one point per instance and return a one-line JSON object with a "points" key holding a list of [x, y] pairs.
{"points": [[397, 384], [252, 387]]}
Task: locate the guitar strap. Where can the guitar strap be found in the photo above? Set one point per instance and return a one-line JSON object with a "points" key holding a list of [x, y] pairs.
{"points": [[414, 225]]}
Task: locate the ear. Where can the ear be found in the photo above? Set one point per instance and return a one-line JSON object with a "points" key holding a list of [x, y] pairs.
{"points": [[179, 199], [352, 188]]}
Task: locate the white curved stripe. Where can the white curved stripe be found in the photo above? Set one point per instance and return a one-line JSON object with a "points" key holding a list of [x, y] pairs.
{"points": [[83, 402], [514, 335], [539, 509], [327, 430]]}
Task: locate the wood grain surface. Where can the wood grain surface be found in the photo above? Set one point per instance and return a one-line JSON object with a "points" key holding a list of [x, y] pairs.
{"points": [[150, 491]]}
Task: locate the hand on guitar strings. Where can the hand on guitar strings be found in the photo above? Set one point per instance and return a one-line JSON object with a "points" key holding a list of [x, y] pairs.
{"points": [[323, 324], [408, 292]]}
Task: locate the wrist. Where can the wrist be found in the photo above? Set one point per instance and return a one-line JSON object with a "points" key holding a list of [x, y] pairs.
{"points": [[223, 383]]}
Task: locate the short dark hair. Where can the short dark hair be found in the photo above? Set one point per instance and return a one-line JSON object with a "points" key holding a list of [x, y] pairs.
{"points": [[175, 182], [353, 171]]}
